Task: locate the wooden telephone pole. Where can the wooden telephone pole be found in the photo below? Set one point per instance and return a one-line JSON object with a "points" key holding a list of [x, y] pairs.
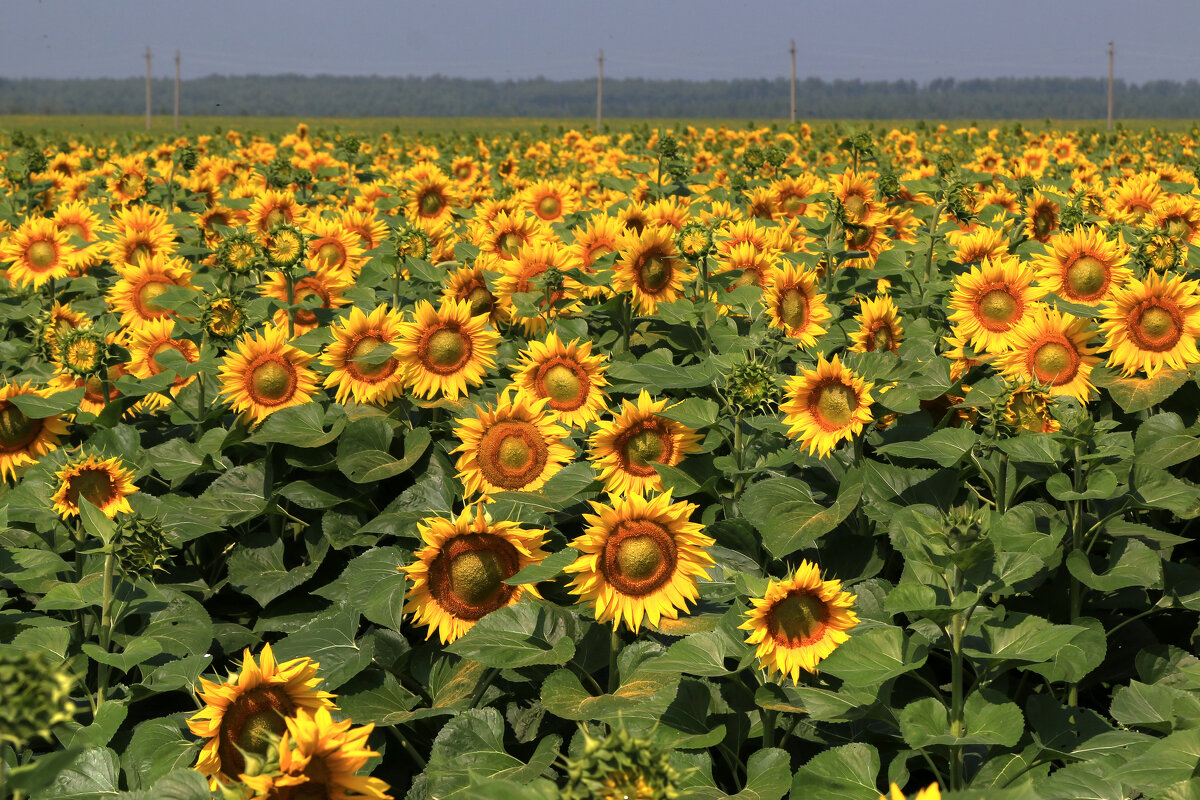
{"points": [[599, 90], [1110, 84], [792, 50], [147, 87], [176, 90]]}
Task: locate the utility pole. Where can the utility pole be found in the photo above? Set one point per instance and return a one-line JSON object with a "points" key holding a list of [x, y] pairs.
{"points": [[792, 50], [1110, 84], [599, 90], [147, 87], [176, 90]]}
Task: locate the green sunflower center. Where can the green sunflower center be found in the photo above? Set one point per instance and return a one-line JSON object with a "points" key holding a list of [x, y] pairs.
{"points": [[275, 217], [799, 616], [482, 301], [476, 575], [151, 292], [563, 385], [512, 454], [854, 207], [330, 254], [42, 255], [1087, 278], [1043, 223], [467, 577], [793, 205], [447, 349], [370, 368], [273, 381], [1157, 323], [859, 238], [998, 307], [549, 207], [880, 338], [655, 273], [431, 203], [835, 404], [510, 243], [639, 557], [1054, 363], [644, 447], [250, 723], [16, 429], [793, 309]]}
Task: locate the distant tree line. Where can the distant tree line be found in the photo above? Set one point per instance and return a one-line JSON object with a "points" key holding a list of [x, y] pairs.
{"points": [[326, 95]]}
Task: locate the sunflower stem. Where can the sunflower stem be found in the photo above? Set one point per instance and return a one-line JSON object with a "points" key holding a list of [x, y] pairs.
{"points": [[933, 225], [626, 318], [739, 481], [957, 726], [291, 299], [396, 285], [106, 623], [403, 740], [1076, 588], [1002, 484], [482, 686], [768, 725], [614, 647]]}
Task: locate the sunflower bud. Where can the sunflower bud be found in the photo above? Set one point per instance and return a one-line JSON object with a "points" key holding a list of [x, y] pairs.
{"points": [[224, 318], [620, 765], [238, 252], [83, 352], [141, 545], [753, 158], [694, 240], [186, 158], [411, 242], [285, 247], [751, 386], [35, 696]]}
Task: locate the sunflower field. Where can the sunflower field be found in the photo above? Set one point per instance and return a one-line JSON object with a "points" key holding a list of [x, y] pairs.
{"points": [[668, 463]]}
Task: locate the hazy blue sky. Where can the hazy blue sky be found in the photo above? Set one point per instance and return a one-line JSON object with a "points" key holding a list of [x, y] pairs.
{"points": [[693, 39]]}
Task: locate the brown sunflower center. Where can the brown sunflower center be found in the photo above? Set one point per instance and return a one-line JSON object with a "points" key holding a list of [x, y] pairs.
{"points": [[16, 429], [93, 484], [793, 309], [1054, 362], [444, 350], [644, 444], [565, 383], [549, 207], [272, 380], [655, 273], [798, 618], [467, 576], [369, 370], [250, 722], [331, 253], [482, 301], [833, 404], [130, 183], [860, 237], [512, 454], [42, 255], [998, 309], [639, 557], [1086, 278], [1157, 327], [430, 202]]}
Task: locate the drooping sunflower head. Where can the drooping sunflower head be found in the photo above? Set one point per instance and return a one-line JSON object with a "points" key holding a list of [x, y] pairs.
{"points": [[24, 439], [1028, 409], [640, 559], [266, 374], [1054, 351], [459, 576], [1083, 266], [248, 711], [515, 446], [626, 448], [1153, 323], [444, 349], [878, 327], [568, 376], [364, 367], [104, 483], [826, 405], [1041, 217], [799, 621], [990, 300]]}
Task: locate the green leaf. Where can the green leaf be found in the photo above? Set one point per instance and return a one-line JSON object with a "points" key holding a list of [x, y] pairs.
{"points": [[643, 696], [103, 726], [261, 573], [1101, 485], [989, 718], [95, 522], [1138, 394], [38, 407], [520, 635], [705, 653], [1131, 563], [945, 447], [1033, 448], [182, 628], [92, 775], [329, 641], [1077, 658], [1158, 488], [1162, 441], [1166, 762], [1021, 637], [697, 413], [369, 466], [376, 585], [840, 773], [547, 569], [874, 656], [157, 747], [376, 696], [784, 512], [41, 772], [301, 426], [175, 459], [137, 651], [1159, 708]]}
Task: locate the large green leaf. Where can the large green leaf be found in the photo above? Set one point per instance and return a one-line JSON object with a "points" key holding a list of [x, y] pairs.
{"points": [[520, 635], [840, 773], [945, 447], [875, 655], [789, 519]]}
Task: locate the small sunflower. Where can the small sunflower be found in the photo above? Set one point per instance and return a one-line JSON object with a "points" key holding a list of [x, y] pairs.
{"points": [[799, 621], [826, 405], [990, 300], [459, 575], [56, 323], [568, 376], [332, 245], [640, 559], [469, 285], [626, 448], [529, 271], [650, 268], [795, 306], [141, 284], [266, 375], [24, 439], [1041, 217], [878, 327], [1028, 409], [507, 233], [1082, 266], [318, 758], [515, 446], [270, 209], [1054, 351], [248, 710], [39, 253], [1152, 324], [224, 318], [284, 246], [326, 285], [367, 381], [550, 200], [599, 237], [1135, 199], [443, 350], [104, 483]]}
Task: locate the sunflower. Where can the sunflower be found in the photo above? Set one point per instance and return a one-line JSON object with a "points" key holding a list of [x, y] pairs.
{"points": [[1179, 217], [325, 285], [459, 576], [990, 300], [273, 208], [826, 405], [248, 710], [792, 193], [39, 252], [1041, 217], [154, 337], [266, 375], [1135, 199], [626, 448], [1028, 409], [332, 245], [443, 350], [550, 200], [650, 268], [978, 244], [568, 376], [470, 286], [54, 324], [753, 266], [354, 338], [515, 446], [857, 195], [1082, 266], [104, 483], [128, 181], [640, 559], [139, 233], [77, 219], [141, 284], [878, 327], [799, 621], [794, 305], [23, 439], [1152, 324], [536, 261], [370, 229], [318, 758], [1053, 351], [930, 792], [432, 196], [507, 233], [93, 401]]}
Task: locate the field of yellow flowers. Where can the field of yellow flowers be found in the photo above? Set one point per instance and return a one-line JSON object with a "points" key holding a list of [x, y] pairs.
{"points": [[674, 463]]}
